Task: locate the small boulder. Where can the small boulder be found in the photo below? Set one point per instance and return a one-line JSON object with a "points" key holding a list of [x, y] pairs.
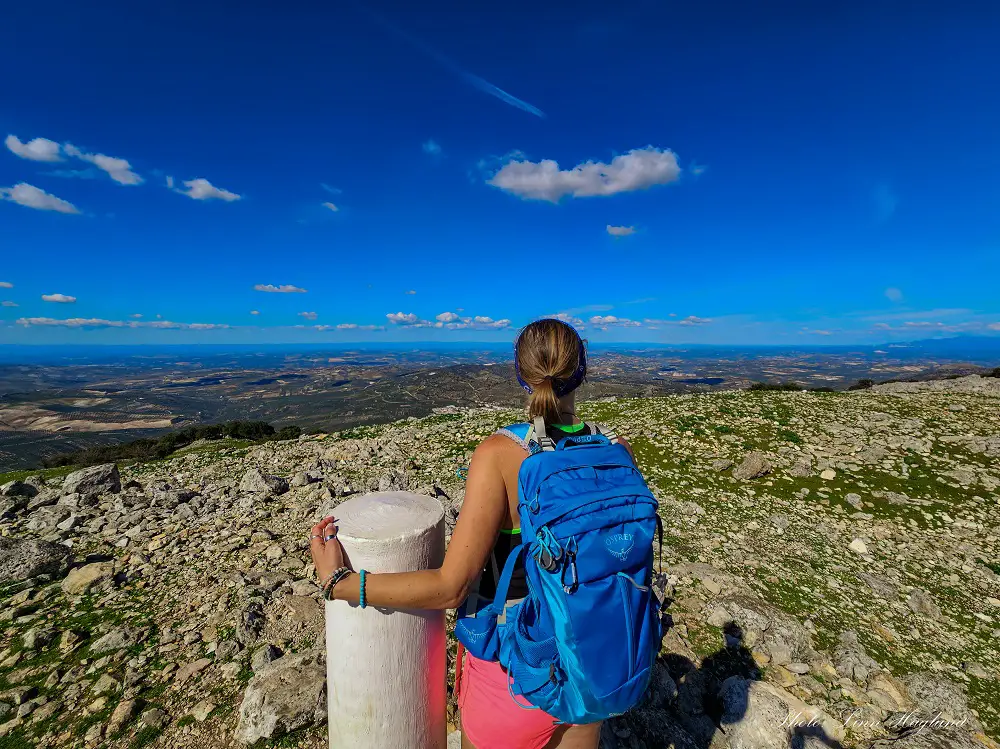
{"points": [[754, 465], [761, 715], [263, 657], [18, 489], [37, 638], [858, 546], [90, 482], [121, 715], [23, 559], [854, 500], [256, 482], [10, 506], [117, 639], [187, 671], [81, 579], [154, 718], [920, 602], [287, 695], [202, 710]]}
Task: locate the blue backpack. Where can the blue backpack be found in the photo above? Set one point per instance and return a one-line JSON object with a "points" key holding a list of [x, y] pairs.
{"points": [[581, 645]]}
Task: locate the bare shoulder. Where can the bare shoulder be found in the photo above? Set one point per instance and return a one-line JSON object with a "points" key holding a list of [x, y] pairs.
{"points": [[494, 447]]}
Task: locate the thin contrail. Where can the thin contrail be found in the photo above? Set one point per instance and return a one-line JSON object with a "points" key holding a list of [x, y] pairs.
{"points": [[446, 62]]}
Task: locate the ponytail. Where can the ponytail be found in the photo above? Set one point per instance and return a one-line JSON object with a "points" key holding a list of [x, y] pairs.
{"points": [[543, 402], [550, 362]]}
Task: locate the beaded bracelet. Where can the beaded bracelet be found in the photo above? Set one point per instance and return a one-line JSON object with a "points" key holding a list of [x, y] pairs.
{"points": [[361, 595], [332, 581], [323, 583]]}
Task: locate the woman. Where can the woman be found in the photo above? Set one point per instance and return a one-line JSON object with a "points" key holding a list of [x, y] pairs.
{"points": [[551, 363]]}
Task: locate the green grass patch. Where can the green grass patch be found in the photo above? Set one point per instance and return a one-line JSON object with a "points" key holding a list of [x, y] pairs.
{"points": [[984, 698], [144, 737], [16, 740], [994, 566], [46, 473]]}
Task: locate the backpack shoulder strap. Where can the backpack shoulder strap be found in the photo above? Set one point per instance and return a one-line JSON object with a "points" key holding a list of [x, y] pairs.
{"points": [[519, 433], [611, 434], [541, 436]]}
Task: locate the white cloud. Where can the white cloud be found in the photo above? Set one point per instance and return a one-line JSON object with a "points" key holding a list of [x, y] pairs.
{"points": [[309, 315], [73, 322], [406, 319], [6, 285], [639, 169], [136, 316], [431, 147], [8, 303], [36, 149], [894, 294], [620, 231], [603, 322], [33, 197], [570, 319], [96, 322], [695, 320], [254, 312], [283, 289], [820, 332], [448, 320], [938, 326], [689, 320], [58, 298], [411, 291], [170, 182], [118, 169], [351, 326], [202, 189], [330, 206], [488, 322]]}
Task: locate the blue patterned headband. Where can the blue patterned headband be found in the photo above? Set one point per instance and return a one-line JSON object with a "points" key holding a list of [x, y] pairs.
{"points": [[561, 387]]}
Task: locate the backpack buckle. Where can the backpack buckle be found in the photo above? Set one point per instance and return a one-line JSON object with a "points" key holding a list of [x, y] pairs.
{"points": [[546, 558], [546, 561]]}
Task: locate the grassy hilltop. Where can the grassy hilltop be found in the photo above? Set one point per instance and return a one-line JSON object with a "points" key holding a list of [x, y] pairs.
{"points": [[849, 540]]}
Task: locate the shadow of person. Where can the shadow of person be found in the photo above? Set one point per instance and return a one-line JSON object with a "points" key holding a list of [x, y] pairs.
{"points": [[811, 737], [685, 707]]}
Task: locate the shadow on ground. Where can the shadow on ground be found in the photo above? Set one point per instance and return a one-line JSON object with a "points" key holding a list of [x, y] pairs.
{"points": [[692, 706]]}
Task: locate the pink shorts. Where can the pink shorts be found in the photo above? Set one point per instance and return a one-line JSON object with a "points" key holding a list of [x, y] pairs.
{"points": [[490, 719]]}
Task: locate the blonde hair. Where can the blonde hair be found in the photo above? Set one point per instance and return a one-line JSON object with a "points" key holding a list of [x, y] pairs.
{"points": [[547, 355]]}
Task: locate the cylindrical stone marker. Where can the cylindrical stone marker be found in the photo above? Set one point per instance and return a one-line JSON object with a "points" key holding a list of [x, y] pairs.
{"points": [[386, 667]]}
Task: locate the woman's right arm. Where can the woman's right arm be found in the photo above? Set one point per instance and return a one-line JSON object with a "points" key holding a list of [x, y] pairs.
{"points": [[475, 533]]}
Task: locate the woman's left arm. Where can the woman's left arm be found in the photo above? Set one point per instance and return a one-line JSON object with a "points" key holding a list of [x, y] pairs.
{"points": [[444, 588]]}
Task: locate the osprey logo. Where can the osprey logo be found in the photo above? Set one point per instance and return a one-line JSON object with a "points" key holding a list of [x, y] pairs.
{"points": [[475, 636], [619, 545]]}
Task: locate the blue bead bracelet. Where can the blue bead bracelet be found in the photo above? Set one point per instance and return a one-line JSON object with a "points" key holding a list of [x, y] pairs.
{"points": [[361, 595]]}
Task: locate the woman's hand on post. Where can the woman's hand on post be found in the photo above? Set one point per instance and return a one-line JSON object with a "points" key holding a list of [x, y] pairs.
{"points": [[327, 551]]}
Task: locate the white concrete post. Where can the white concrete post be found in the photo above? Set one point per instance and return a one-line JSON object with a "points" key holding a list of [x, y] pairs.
{"points": [[386, 667]]}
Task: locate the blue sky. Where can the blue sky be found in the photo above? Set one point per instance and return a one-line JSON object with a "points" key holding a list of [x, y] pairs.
{"points": [[715, 172]]}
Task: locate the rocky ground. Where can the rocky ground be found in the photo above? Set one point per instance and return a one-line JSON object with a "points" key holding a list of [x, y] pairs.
{"points": [[832, 573]]}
